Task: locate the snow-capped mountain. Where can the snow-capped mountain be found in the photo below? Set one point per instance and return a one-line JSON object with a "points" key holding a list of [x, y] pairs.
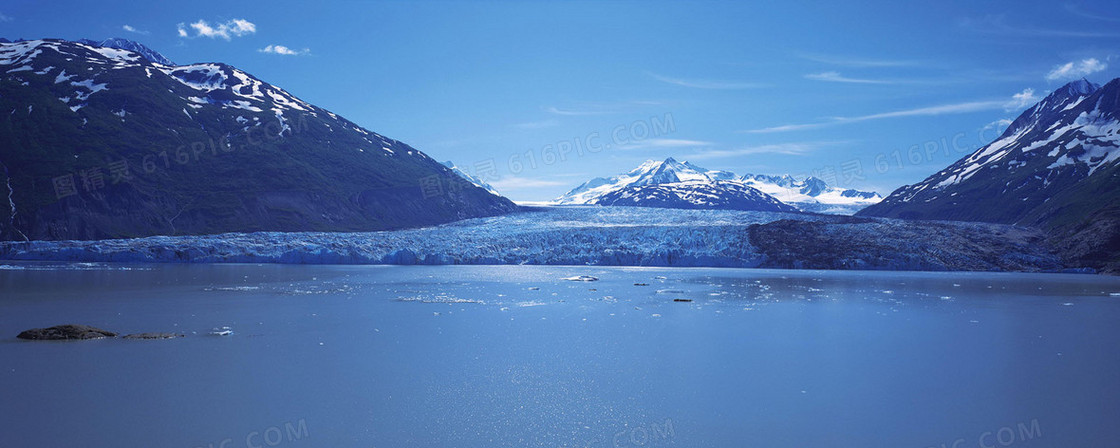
{"points": [[472, 179], [810, 194], [101, 142], [651, 172], [130, 45], [695, 194], [1056, 166]]}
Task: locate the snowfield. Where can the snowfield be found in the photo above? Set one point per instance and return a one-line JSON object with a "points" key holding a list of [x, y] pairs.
{"points": [[609, 236]]}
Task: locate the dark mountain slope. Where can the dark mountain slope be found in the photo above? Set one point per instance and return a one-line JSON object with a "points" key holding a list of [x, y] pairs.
{"points": [[97, 142], [1056, 167]]}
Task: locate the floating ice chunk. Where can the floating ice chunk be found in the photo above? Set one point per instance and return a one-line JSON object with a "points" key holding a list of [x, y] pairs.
{"points": [[223, 331], [582, 278], [441, 298], [530, 303], [233, 288]]}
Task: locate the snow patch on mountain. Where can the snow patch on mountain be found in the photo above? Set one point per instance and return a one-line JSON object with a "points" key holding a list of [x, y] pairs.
{"points": [[131, 46], [472, 179]]}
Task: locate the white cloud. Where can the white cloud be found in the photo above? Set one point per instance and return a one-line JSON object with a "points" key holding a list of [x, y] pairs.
{"points": [[958, 108], [1076, 69], [4, 18], [707, 83], [837, 77], [225, 30], [280, 49], [1021, 100], [514, 183], [999, 126], [131, 29]]}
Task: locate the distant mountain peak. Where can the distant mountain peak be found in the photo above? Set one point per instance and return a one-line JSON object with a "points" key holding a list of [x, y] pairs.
{"points": [[811, 194], [813, 186], [1080, 87], [129, 45], [1052, 107]]}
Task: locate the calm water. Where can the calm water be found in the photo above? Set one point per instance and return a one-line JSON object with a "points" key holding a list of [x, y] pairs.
{"points": [[374, 356]]}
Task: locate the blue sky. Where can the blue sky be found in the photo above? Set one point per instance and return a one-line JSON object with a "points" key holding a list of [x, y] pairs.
{"points": [[873, 95]]}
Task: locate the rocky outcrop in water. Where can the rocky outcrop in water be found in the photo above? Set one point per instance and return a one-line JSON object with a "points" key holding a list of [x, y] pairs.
{"points": [[152, 336], [65, 333]]}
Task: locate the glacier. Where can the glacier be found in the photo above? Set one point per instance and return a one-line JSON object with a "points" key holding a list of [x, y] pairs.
{"points": [[606, 236]]}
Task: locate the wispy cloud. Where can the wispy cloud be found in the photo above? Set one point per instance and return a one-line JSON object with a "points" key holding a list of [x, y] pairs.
{"points": [[538, 124], [837, 77], [575, 112], [945, 109], [998, 25], [1076, 69], [664, 143], [789, 149], [5, 18], [132, 29], [607, 108], [857, 62], [1077, 11], [225, 30], [707, 83], [280, 49], [515, 183]]}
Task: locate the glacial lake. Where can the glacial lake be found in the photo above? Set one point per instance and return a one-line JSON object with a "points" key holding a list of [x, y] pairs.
{"points": [[513, 356]]}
